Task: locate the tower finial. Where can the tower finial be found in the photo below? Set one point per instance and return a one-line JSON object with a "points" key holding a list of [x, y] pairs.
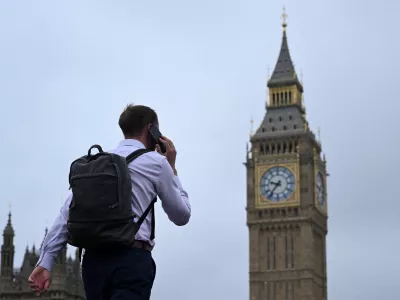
{"points": [[251, 126], [9, 214], [45, 235], [301, 76], [284, 17], [319, 134]]}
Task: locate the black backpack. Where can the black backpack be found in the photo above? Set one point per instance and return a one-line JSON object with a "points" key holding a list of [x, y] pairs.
{"points": [[100, 213]]}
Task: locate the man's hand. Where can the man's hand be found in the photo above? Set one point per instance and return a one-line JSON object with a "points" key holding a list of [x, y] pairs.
{"points": [[170, 152], [40, 280]]}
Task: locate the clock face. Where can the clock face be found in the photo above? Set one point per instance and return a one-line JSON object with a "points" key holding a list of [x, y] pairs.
{"points": [[277, 184], [320, 189]]}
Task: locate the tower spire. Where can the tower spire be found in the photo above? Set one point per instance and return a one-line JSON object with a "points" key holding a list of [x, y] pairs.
{"points": [[285, 109], [7, 250], [284, 73], [45, 235], [251, 126], [9, 214], [8, 230]]}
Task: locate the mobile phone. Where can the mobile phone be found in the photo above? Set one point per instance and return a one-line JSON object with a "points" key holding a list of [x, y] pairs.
{"points": [[156, 134]]}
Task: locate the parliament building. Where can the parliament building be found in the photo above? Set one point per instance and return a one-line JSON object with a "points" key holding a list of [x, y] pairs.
{"points": [[286, 195], [66, 279]]}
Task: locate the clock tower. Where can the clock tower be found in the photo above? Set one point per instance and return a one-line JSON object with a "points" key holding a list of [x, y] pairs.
{"points": [[286, 195]]}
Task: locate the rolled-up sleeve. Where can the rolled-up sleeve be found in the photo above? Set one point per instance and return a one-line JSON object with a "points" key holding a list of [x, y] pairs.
{"points": [[56, 238]]}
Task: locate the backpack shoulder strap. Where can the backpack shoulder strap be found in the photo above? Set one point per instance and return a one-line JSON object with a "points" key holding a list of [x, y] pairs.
{"points": [[135, 154]]}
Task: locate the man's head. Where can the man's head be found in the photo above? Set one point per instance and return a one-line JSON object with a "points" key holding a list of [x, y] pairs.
{"points": [[135, 122]]}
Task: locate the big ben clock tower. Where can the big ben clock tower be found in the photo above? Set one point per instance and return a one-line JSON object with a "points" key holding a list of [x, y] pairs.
{"points": [[286, 195]]}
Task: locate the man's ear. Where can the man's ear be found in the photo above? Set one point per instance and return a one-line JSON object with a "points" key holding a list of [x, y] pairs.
{"points": [[149, 126]]}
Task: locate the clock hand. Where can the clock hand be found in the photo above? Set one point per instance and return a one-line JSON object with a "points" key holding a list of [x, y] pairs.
{"points": [[276, 185]]}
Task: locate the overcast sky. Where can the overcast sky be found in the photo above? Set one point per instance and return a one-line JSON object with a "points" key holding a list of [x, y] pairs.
{"points": [[67, 69]]}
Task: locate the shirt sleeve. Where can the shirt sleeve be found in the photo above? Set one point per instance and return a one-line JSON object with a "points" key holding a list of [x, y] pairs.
{"points": [[174, 198], [55, 239]]}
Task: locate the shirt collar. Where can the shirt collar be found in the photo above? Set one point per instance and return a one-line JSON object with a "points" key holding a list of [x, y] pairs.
{"points": [[132, 142]]}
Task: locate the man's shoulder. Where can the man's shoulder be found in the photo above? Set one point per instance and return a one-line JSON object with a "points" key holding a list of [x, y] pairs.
{"points": [[149, 159], [152, 158]]}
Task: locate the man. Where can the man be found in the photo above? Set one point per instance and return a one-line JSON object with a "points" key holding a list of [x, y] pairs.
{"points": [[126, 273]]}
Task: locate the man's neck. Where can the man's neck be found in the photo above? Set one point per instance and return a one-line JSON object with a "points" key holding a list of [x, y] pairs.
{"points": [[140, 139]]}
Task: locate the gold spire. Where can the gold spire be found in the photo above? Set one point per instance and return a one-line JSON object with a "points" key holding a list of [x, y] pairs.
{"points": [[9, 213], [251, 126], [301, 76], [319, 134], [284, 16]]}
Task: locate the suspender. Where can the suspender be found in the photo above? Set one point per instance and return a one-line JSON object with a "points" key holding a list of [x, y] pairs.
{"points": [[129, 159], [153, 219]]}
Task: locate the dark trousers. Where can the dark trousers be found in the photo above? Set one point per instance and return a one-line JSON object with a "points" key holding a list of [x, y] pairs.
{"points": [[120, 274]]}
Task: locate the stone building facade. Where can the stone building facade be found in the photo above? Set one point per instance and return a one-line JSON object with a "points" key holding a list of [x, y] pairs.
{"points": [[286, 195], [66, 279]]}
